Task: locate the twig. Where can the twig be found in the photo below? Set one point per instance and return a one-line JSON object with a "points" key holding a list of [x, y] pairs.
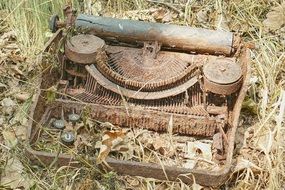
{"points": [[223, 134], [124, 101], [5, 146], [168, 5]]}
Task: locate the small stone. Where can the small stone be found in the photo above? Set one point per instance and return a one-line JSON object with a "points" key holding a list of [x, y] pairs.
{"points": [[8, 106], [22, 96], [7, 102]]}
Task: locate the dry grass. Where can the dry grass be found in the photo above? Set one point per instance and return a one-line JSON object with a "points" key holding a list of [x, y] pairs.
{"points": [[260, 161]]}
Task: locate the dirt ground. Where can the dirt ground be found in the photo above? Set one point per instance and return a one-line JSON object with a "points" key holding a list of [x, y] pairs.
{"points": [[260, 144]]}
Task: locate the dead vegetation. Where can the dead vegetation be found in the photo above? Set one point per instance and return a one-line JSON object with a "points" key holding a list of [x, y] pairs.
{"points": [[260, 143]]}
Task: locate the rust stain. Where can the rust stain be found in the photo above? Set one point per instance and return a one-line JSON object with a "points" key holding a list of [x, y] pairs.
{"points": [[143, 87]]}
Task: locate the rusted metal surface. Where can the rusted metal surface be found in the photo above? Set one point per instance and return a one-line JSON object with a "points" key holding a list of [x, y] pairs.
{"points": [[223, 89], [223, 76], [200, 125], [83, 48], [149, 170], [101, 80], [145, 88], [166, 35], [166, 82], [55, 23], [171, 36], [131, 68], [222, 71]]}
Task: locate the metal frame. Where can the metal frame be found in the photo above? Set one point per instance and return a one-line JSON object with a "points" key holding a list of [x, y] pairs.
{"points": [[203, 177]]}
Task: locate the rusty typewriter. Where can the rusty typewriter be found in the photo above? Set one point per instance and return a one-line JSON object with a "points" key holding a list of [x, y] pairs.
{"points": [[138, 74]]}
